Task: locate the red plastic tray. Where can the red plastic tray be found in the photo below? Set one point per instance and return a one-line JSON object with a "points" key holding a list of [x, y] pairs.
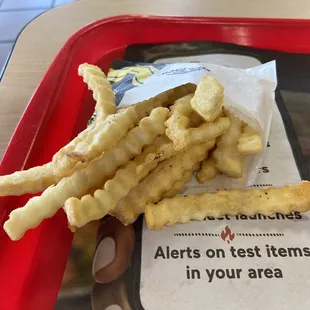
{"points": [[31, 269]]}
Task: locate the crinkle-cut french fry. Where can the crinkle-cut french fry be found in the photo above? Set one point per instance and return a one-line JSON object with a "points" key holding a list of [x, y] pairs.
{"points": [[208, 99], [249, 142], [164, 99], [38, 178], [94, 174], [103, 94], [29, 181], [182, 136], [227, 157], [93, 207], [178, 187], [101, 135], [206, 131], [165, 151], [144, 108], [95, 135], [105, 135], [208, 170], [160, 180], [284, 200], [66, 160]]}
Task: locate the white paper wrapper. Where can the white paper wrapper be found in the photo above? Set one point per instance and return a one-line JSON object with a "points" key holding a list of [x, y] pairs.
{"points": [[172, 283], [248, 93]]}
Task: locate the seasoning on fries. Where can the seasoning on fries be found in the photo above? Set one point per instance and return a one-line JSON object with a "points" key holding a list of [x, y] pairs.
{"points": [[290, 198], [131, 158]]}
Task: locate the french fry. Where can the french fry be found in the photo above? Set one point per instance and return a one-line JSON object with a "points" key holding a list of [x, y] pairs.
{"points": [[101, 88], [182, 136], [77, 185], [164, 99], [208, 99], [249, 142], [105, 135], [97, 141], [97, 138], [227, 157], [178, 187], [38, 178], [165, 151], [284, 200], [159, 181], [93, 207], [30, 181], [68, 159], [208, 170]]}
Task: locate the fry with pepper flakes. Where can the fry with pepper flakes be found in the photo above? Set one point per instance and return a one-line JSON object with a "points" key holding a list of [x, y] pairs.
{"points": [[178, 187], [290, 198], [52, 199], [184, 137], [93, 207], [130, 158], [208, 170], [159, 181]]}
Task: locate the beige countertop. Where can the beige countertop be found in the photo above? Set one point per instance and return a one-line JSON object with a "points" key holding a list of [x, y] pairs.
{"points": [[40, 41]]}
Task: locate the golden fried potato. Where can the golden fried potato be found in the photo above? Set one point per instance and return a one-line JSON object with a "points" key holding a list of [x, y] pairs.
{"points": [[93, 207], [165, 151], [103, 94], [249, 142], [88, 145], [227, 157], [184, 137], [38, 178], [284, 200], [164, 99], [29, 181], [39, 208], [178, 187], [92, 141], [208, 99], [104, 136], [159, 181], [208, 170]]}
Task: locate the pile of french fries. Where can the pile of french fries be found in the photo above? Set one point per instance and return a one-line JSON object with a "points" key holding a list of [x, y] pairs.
{"points": [[137, 159]]}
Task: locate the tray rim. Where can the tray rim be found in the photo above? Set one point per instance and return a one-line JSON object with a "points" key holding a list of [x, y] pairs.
{"points": [[25, 117], [35, 112]]}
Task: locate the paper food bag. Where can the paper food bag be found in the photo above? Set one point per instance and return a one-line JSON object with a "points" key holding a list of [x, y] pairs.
{"points": [[248, 93]]}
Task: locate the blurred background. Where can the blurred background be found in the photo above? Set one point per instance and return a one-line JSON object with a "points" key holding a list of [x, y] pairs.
{"points": [[14, 16]]}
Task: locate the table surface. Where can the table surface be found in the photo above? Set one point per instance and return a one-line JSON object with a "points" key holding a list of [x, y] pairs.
{"points": [[33, 52]]}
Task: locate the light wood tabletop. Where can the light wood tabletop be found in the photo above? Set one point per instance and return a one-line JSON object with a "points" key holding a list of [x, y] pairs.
{"points": [[40, 41]]}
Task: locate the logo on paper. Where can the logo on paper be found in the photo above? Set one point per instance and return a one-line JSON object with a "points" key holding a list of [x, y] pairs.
{"points": [[227, 235], [184, 70], [135, 76]]}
